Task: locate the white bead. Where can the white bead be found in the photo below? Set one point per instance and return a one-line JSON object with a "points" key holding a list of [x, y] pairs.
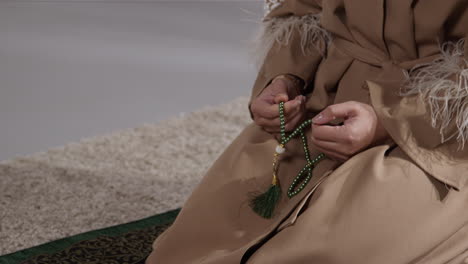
{"points": [[280, 149]]}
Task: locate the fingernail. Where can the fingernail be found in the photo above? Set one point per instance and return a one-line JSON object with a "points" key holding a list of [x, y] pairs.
{"points": [[317, 118]]}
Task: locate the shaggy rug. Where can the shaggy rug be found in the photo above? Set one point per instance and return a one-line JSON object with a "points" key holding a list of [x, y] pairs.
{"points": [[112, 179]]}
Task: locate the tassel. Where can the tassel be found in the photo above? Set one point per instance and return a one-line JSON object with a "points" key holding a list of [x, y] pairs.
{"points": [[264, 204]]}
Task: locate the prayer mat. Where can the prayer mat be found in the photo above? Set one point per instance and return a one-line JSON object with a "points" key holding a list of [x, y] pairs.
{"points": [[122, 244]]}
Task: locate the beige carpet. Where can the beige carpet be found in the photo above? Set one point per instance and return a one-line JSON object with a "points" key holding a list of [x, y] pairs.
{"points": [[112, 179]]}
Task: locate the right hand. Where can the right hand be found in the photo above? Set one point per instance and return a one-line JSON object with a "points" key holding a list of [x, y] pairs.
{"points": [[265, 107]]}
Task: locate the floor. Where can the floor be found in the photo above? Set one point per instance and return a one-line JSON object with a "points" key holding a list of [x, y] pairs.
{"points": [[71, 69]]}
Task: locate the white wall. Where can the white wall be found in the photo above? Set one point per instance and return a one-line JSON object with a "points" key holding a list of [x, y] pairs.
{"points": [[79, 68]]}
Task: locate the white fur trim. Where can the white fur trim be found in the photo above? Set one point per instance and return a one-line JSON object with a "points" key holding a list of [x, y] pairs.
{"points": [[443, 84], [270, 5], [280, 30]]}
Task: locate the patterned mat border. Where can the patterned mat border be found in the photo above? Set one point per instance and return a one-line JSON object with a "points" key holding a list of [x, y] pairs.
{"points": [[61, 244]]}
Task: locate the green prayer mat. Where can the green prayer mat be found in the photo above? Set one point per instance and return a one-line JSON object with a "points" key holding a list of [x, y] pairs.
{"points": [[127, 243]]}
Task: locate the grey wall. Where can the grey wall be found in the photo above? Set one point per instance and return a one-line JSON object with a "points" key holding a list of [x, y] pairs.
{"points": [[79, 68]]}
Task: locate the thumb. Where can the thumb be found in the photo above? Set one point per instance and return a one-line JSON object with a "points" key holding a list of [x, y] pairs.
{"points": [[332, 112], [281, 97]]}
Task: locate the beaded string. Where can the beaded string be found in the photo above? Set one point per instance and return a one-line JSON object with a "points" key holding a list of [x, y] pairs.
{"points": [[292, 190], [265, 203]]}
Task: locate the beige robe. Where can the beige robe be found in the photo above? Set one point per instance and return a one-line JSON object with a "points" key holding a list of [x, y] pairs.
{"points": [[404, 201]]}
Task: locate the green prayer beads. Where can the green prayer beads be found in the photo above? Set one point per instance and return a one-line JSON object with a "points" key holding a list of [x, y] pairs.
{"points": [[293, 188], [265, 203]]}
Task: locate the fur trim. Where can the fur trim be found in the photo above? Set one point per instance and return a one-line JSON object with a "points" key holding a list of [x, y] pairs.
{"points": [[280, 30], [443, 84], [270, 5]]}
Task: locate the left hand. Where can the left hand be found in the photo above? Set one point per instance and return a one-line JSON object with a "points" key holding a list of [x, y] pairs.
{"points": [[361, 129], [264, 107]]}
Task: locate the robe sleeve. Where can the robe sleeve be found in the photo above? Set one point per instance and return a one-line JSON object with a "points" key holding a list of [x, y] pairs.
{"points": [[291, 42], [428, 117]]}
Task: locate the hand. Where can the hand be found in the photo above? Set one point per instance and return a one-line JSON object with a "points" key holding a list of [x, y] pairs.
{"points": [[360, 130], [265, 107]]}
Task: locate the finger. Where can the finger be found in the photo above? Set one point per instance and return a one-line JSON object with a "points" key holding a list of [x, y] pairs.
{"points": [[329, 133], [342, 110], [281, 97], [264, 109], [271, 112], [267, 110], [331, 146], [293, 123], [293, 113], [271, 128], [272, 124], [272, 131], [292, 109], [329, 151], [334, 156], [291, 106]]}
